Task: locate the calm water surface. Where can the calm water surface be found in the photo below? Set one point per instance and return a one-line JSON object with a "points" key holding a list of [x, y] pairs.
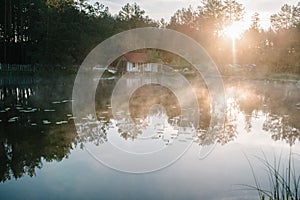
{"points": [[43, 157]]}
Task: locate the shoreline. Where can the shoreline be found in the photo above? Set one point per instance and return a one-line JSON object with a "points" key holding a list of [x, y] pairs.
{"points": [[64, 72]]}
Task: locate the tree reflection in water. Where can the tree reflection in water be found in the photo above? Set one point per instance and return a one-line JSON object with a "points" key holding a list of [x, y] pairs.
{"points": [[246, 101], [36, 122], [26, 141]]}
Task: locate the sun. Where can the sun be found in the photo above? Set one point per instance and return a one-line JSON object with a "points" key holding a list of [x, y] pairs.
{"points": [[233, 31]]}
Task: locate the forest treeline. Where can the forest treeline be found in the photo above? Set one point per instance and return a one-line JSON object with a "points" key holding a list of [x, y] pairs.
{"points": [[62, 32]]}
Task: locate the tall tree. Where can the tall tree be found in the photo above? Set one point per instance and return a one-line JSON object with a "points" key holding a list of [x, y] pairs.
{"points": [[288, 17], [255, 20], [16, 22], [132, 16], [218, 14], [59, 4], [233, 11], [184, 16], [212, 13]]}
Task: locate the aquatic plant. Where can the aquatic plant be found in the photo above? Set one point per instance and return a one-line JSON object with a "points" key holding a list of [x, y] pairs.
{"points": [[283, 180]]}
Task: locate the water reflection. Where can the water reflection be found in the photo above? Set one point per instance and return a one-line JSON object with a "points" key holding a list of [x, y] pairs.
{"points": [[275, 103], [30, 125], [154, 113], [36, 123]]}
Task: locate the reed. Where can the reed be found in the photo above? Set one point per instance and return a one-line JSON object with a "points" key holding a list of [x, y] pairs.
{"points": [[283, 178]]}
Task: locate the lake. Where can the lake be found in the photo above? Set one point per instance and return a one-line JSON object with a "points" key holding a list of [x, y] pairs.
{"points": [[48, 153]]}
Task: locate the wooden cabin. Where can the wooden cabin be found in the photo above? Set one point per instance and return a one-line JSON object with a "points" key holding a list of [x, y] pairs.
{"points": [[137, 62]]}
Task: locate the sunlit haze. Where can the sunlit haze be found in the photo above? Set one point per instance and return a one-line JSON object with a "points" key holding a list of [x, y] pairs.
{"points": [[233, 31]]}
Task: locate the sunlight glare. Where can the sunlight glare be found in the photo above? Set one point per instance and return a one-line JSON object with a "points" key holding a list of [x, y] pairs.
{"points": [[233, 31]]}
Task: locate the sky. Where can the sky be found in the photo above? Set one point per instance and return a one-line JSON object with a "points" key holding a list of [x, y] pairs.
{"points": [[157, 9]]}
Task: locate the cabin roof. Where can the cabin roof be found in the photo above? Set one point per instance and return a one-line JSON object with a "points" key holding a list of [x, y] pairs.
{"points": [[136, 57]]}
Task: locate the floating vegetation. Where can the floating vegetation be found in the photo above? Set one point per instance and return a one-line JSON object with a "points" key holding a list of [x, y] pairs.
{"points": [[13, 119], [46, 121], [5, 110], [28, 110], [61, 122], [63, 101], [49, 110], [67, 100]]}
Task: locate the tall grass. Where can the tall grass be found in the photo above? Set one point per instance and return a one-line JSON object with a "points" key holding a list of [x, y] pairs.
{"points": [[283, 179]]}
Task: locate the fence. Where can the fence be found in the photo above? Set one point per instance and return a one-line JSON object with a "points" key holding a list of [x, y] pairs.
{"points": [[17, 68], [19, 81]]}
